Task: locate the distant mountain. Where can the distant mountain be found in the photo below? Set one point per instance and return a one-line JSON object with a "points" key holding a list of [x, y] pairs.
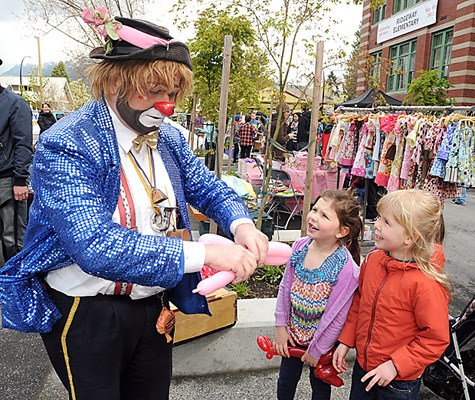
{"points": [[47, 68]]}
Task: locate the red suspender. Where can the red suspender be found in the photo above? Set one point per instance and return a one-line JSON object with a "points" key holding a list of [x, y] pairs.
{"points": [[128, 220]]}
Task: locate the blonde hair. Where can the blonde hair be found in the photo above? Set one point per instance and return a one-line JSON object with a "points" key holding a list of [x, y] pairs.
{"points": [[137, 76], [420, 214]]}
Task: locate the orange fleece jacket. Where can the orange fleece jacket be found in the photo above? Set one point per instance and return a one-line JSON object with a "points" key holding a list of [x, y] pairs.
{"points": [[398, 314]]}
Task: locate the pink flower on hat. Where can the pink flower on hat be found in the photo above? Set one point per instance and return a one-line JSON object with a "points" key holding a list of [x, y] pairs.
{"points": [[101, 20]]}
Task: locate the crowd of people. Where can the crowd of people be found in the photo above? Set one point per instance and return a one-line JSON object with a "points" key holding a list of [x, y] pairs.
{"points": [[292, 135], [107, 244]]}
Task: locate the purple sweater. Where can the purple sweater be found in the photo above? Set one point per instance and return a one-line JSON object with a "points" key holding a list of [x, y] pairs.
{"points": [[335, 313]]}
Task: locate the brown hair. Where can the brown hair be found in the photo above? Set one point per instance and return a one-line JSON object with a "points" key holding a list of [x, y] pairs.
{"points": [[137, 76], [348, 212], [420, 214]]}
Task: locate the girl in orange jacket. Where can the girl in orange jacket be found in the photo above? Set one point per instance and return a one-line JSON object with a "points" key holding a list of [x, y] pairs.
{"points": [[398, 321]]}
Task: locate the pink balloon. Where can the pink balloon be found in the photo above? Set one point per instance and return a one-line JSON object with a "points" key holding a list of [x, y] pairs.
{"points": [[210, 238], [278, 254], [215, 282]]}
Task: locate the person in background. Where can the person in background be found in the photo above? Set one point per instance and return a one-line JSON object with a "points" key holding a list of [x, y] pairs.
{"points": [[236, 138], [16, 142], [303, 133], [462, 200], [281, 140], [317, 288], [254, 120], [107, 245], [398, 320], [291, 144], [46, 118], [210, 145], [247, 134], [261, 126]]}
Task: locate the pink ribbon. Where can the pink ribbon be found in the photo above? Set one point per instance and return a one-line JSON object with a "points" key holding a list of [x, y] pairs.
{"points": [[101, 20]]}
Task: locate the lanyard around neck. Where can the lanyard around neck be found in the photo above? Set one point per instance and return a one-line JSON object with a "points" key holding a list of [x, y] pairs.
{"points": [[147, 184]]}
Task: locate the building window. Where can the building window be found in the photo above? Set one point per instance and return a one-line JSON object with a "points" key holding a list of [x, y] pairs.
{"points": [[441, 52], [402, 59], [379, 13], [400, 5], [375, 68]]}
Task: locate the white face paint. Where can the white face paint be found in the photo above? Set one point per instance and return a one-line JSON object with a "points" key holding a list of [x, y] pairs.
{"points": [[141, 121], [151, 118]]}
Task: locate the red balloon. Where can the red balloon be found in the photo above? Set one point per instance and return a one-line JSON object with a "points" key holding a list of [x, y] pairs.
{"points": [[328, 374], [324, 369]]}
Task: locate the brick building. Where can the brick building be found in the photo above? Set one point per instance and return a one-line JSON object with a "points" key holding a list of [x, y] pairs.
{"points": [[420, 35]]}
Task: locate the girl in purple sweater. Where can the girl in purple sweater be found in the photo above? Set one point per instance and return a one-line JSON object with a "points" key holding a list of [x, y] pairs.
{"points": [[317, 289]]}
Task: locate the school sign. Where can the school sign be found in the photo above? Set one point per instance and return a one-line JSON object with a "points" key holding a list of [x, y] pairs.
{"points": [[411, 19]]}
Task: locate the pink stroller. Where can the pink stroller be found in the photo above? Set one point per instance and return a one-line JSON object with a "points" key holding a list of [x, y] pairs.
{"points": [[452, 377]]}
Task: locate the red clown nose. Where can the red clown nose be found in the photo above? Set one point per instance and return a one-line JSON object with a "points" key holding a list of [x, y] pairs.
{"points": [[165, 107]]}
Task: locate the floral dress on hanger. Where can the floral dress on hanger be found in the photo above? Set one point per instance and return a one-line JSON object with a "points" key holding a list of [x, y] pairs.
{"points": [[466, 164], [386, 159], [349, 144], [400, 131], [334, 142]]}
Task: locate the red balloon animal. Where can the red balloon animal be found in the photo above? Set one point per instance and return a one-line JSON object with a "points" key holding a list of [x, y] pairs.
{"points": [[324, 369]]}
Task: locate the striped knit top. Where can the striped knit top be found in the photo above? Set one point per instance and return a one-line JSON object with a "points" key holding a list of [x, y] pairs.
{"points": [[310, 291]]}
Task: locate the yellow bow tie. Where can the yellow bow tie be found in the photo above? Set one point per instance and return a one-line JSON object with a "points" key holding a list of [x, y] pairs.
{"points": [[150, 139]]}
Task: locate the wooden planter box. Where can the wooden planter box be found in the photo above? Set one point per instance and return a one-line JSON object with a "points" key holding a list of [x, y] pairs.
{"points": [[223, 307]]}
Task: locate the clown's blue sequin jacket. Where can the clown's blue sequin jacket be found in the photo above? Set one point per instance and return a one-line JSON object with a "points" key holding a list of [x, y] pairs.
{"points": [[76, 180]]}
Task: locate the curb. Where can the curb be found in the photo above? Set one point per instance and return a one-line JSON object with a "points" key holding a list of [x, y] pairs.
{"points": [[232, 350]]}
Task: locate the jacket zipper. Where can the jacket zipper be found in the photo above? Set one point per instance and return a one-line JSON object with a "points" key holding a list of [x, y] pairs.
{"points": [[373, 312]]}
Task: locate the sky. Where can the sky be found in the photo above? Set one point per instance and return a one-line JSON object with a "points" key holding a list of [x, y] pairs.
{"points": [[20, 40]]}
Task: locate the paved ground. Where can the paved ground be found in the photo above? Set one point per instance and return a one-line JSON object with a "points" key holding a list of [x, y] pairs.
{"points": [[25, 373], [256, 386]]}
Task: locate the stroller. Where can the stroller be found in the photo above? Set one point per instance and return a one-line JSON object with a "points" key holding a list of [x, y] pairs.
{"points": [[452, 376]]}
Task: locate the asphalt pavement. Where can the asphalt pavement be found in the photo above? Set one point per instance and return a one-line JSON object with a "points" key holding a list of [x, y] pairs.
{"points": [[259, 385], [25, 372]]}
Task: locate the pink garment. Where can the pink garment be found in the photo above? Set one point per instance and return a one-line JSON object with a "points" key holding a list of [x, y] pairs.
{"points": [[359, 164], [393, 182], [382, 176], [387, 122], [406, 162], [348, 150]]}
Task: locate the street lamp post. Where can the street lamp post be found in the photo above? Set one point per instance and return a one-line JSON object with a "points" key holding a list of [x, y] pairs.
{"points": [[21, 74], [40, 70]]}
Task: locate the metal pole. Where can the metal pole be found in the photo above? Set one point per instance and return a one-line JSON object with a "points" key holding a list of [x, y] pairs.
{"points": [[40, 71], [317, 96]]}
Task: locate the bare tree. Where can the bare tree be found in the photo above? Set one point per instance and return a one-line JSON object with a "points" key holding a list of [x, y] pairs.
{"points": [[282, 28], [65, 16]]}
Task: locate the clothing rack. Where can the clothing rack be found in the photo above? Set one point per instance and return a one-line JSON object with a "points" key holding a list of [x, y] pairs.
{"points": [[465, 110], [406, 108]]}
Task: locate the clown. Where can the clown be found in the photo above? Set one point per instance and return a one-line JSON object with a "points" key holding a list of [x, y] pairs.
{"points": [[106, 250]]}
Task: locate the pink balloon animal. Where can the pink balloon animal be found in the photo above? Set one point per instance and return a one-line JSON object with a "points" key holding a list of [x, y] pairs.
{"points": [[278, 254]]}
